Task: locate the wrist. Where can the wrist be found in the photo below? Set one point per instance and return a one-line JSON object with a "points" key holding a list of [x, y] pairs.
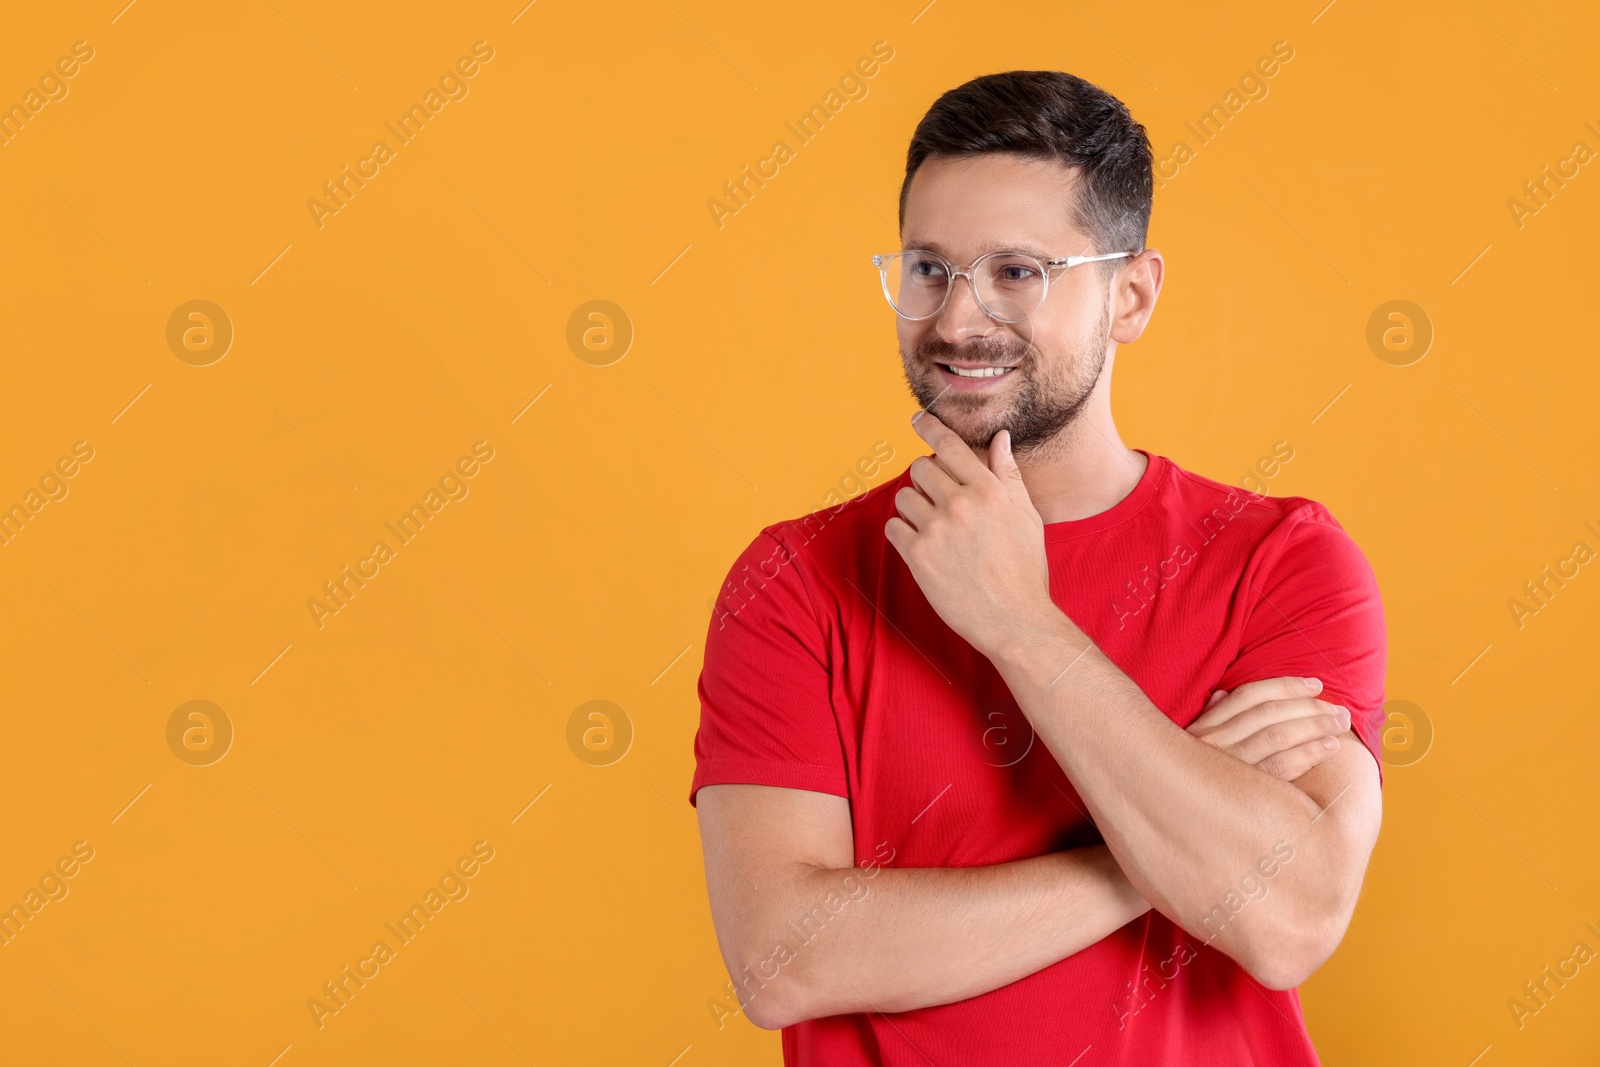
{"points": [[1038, 640], [1128, 896]]}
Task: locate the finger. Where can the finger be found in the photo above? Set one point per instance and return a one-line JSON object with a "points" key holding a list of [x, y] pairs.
{"points": [[1200, 727], [1286, 736], [1253, 720], [1287, 766], [963, 464], [913, 507], [932, 479], [1252, 693], [1003, 465], [899, 533]]}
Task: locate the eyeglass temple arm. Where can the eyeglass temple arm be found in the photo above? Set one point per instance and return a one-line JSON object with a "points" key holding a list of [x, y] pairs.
{"points": [[1073, 261]]}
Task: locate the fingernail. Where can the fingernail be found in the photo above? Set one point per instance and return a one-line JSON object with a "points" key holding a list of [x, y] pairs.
{"points": [[1330, 742], [1315, 684], [917, 416]]}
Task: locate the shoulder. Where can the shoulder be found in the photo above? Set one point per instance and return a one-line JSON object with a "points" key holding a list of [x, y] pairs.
{"points": [[831, 535], [804, 557], [1199, 495], [1288, 552], [1274, 525]]}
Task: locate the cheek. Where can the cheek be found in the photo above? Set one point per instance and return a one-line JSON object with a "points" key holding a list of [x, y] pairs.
{"points": [[1084, 332], [1055, 342], [909, 334], [1061, 361]]}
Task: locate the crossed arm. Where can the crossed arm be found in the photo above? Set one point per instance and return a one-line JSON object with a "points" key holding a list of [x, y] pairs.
{"points": [[1190, 825], [913, 937], [908, 937]]}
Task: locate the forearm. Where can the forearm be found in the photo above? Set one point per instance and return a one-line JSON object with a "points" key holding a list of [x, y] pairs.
{"points": [[1188, 822], [922, 936]]}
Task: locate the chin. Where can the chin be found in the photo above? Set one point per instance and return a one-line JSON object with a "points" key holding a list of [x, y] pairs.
{"points": [[977, 432]]}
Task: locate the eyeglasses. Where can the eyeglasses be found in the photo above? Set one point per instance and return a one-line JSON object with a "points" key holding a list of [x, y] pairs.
{"points": [[1009, 286]]}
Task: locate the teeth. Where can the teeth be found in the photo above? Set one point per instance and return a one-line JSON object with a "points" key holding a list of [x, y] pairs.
{"points": [[978, 372]]}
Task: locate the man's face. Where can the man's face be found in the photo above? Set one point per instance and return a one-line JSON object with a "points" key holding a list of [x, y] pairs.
{"points": [[962, 208]]}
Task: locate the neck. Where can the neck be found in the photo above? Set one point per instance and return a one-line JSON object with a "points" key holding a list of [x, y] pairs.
{"points": [[1084, 470]]}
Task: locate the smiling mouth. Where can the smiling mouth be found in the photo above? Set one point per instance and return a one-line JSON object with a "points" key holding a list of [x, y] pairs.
{"points": [[976, 372]]}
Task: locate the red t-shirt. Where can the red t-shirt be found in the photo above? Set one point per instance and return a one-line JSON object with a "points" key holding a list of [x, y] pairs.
{"points": [[827, 669]]}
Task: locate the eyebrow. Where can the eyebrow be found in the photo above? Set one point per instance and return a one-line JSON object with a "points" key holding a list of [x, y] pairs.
{"points": [[992, 246]]}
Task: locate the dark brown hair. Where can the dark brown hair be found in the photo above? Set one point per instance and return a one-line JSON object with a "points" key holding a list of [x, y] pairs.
{"points": [[1047, 114]]}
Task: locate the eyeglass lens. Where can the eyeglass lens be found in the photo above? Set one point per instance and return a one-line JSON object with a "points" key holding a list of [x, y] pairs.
{"points": [[1010, 287]]}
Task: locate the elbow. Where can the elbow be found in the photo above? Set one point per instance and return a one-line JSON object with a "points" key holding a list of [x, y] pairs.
{"points": [[772, 998], [774, 1007], [1281, 971], [770, 1016], [1289, 957]]}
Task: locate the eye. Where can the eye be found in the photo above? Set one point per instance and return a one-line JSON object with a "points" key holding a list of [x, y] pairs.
{"points": [[924, 267], [1014, 271]]}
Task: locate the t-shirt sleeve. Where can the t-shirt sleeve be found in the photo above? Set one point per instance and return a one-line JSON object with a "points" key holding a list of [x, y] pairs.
{"points": [[1316, 613], [766, 710]]}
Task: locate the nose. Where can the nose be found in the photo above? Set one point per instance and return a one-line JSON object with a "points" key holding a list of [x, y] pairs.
{"points": [[962, 315]]}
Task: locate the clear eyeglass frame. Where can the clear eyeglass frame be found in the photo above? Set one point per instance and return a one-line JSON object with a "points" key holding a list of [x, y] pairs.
{"points": [[1046, 269]]}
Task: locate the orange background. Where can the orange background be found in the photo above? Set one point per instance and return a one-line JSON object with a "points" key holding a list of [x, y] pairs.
{"points": [[372, 753]]}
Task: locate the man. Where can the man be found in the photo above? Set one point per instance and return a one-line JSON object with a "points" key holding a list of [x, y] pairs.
{"points": [[1047, 751]]}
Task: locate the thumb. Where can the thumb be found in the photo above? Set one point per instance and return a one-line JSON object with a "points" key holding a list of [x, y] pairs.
{"points": [[1003, 463]]}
